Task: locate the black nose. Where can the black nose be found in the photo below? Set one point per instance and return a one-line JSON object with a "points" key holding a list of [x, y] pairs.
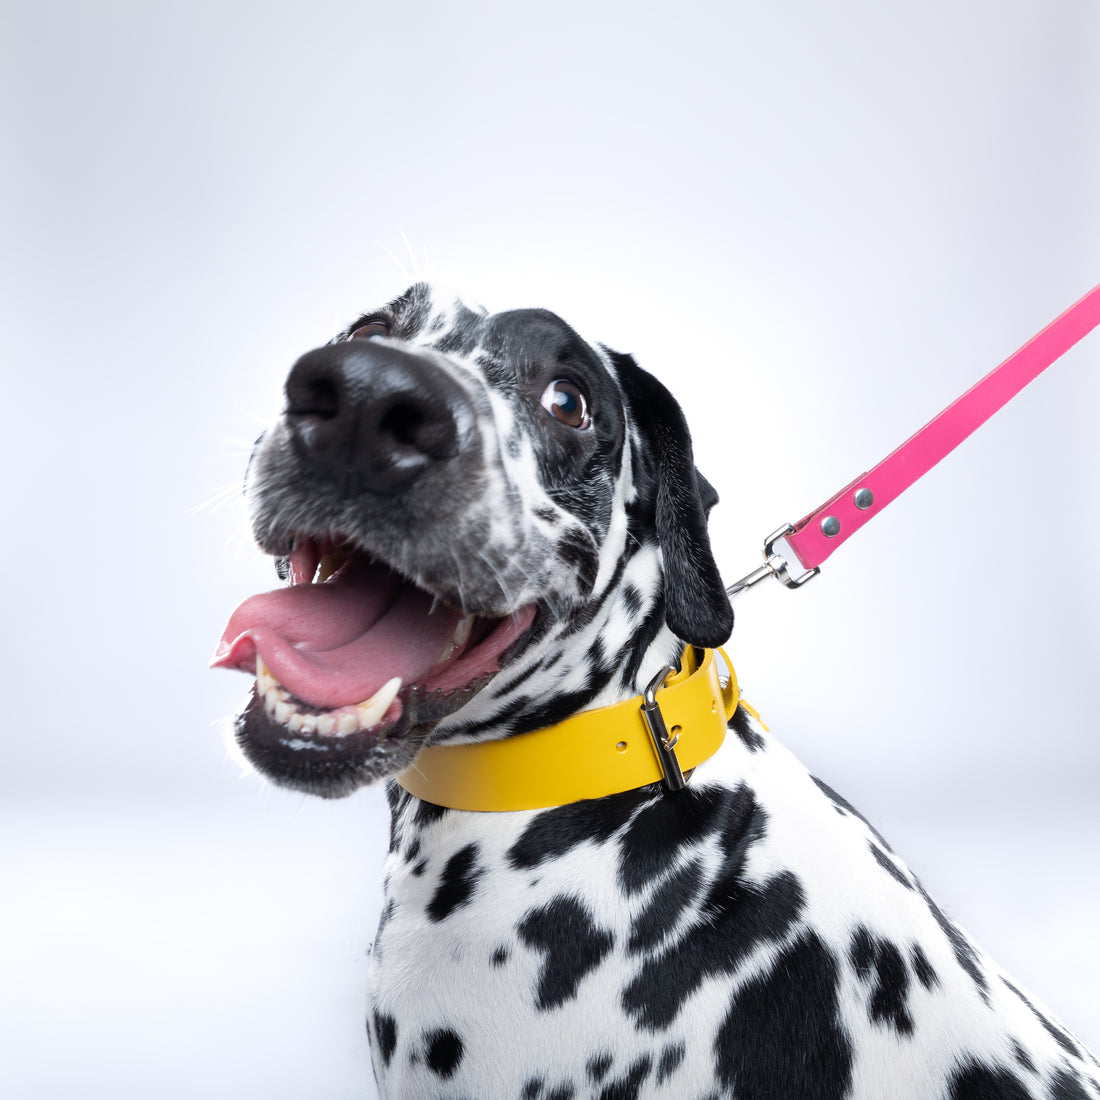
{"points": [[374, 417]]}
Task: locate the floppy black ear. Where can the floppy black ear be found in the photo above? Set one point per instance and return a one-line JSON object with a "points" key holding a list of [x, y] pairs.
{"points": [[707, 492], [697, 609]]}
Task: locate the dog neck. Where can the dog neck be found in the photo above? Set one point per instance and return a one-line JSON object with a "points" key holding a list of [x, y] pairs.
{"points": [[676, 724]]}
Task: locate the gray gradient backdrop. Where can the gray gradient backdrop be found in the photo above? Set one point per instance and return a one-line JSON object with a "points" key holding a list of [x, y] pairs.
{"points": [[818, 223]]}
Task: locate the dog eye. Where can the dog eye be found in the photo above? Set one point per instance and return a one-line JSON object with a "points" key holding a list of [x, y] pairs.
{"points": [[371, 328], [565, 402]]}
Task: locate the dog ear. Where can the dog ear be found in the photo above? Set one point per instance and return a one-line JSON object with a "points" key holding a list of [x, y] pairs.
{"points": [[707, 492], [697, 609]]}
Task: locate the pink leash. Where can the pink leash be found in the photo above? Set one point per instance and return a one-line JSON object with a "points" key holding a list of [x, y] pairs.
{"points": [[813, 538]]}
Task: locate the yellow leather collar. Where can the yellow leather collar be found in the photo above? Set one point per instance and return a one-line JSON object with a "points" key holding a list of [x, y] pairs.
{"points": [[590, 755]]}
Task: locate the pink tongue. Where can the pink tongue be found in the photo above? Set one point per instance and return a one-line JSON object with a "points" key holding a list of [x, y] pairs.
{"points": [[336, 644]]}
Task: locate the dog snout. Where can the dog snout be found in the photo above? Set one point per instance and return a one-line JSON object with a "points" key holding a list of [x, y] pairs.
{"points": [[373, 417]]}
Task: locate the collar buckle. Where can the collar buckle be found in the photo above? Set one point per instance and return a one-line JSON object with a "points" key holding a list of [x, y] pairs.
{"points": [[664, 742]]}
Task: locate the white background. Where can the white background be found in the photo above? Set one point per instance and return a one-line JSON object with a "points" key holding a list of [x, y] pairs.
{"points": [[818, 223]]}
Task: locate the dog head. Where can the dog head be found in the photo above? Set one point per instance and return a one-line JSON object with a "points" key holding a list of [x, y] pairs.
{"points": [[485, 524]]}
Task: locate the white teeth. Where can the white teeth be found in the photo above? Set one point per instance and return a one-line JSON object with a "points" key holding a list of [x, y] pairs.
{"points": [[371, 710], [462, 632], [458, 639], [284, 710], [327, 566], [263, 677]]}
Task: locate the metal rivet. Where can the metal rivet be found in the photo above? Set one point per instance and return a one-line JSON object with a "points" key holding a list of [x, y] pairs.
{"points": [[621, 746], [864, 498], [830, 527]]}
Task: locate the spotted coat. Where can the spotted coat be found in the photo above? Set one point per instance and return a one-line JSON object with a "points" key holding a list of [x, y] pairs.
{"points": [[749, 938]]}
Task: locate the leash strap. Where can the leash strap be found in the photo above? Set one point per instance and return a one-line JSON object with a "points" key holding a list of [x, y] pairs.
{"points": [[818, 534]]}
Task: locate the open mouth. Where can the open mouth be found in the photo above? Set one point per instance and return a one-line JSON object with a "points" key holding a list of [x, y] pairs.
{"points": [[350, 653]]}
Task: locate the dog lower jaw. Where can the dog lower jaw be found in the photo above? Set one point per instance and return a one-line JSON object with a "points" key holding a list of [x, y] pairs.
{"points": [[305, 748], [336, 766]]}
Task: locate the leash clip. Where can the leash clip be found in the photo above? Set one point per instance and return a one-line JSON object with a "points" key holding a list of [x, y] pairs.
{"points": [[663, 744], [775, 565]]}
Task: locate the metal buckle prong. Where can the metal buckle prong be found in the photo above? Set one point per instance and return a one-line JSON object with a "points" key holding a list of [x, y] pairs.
{"points": [[663, 744], [775, 565]]}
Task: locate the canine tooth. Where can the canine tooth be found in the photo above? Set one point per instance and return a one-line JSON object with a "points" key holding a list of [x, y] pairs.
{"points": [[462, 632], [326, 567], [458, 639], [263, 676], [371, 710]]}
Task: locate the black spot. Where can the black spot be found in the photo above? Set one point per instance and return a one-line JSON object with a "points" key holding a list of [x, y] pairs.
{"points": [[413, 851], [444, 1051], [597, 1066], [862, 951], [924, 970], [420, 868], [387, 913], [596, 658], [457, 883], [977, 1081], [888, 865], [843, 806], [965, 954], [739, 723], [632, 600], [564, 931], [1067, 1086], [879, 962], [1062, 1038], [397, 798], [793, 1008], [499, 957], [627, 1086], [735, 918], [671, 1057], [551, 659], [1023, 1057], [659, 917], [427, 813], [385, 1032], [661, 830], [577, 550], [524, 712], [554, 832], [535, 1089]]}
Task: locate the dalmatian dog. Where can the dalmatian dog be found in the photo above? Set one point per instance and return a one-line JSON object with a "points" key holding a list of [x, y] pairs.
{"points": [[486, 525]]}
